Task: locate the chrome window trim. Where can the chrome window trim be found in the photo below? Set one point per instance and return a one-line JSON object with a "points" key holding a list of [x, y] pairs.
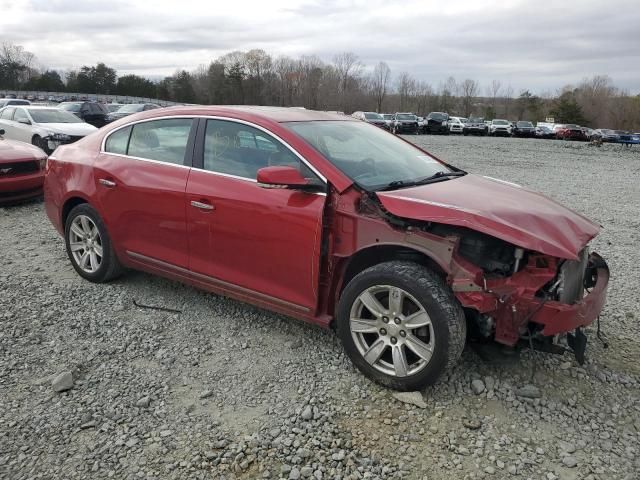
{"points": [[159, 162], [209, 117]]}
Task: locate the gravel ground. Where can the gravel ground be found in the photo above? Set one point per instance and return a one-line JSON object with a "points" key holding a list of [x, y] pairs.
{"points": [[94, 387]]}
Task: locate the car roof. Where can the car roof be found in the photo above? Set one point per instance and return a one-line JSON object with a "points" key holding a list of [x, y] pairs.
{"points": [[276, 114]]}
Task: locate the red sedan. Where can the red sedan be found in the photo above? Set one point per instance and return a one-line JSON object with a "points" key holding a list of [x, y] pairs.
{"points": [[333, 221], [571, 132], [21, 170]]}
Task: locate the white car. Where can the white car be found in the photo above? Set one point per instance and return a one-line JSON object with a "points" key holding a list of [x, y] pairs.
{"points": [[500, 127], [44, 127], [456, 124]]}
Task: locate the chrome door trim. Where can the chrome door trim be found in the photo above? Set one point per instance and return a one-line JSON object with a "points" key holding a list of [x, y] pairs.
{"points": [[214, 281]]}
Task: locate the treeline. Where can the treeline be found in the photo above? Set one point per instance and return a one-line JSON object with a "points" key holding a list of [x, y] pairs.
{"points": [[344, 84]]}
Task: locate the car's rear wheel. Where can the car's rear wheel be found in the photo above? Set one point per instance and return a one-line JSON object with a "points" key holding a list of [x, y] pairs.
{"points": [[401, 325], [89, 246]]}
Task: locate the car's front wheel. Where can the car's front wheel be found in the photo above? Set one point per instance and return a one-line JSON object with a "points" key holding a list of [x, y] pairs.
{"points": [[89, 246], [401, 325]]}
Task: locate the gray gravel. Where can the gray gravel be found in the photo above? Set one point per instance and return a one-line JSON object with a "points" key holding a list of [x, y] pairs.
{"points": [[225, 390]]}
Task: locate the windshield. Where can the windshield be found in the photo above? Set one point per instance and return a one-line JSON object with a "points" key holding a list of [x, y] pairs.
{"points": [[387, 116], [366, 154], [373, 116], [525, 124], [131, 108], [70, 107], [500, 122], [438, 116], [113, 107], [476, 120], [53, 115], [405, 116]]}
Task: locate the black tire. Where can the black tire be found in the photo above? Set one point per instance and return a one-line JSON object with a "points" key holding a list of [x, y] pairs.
{"points": [[437, 299], [38, 142], [110, 267]]}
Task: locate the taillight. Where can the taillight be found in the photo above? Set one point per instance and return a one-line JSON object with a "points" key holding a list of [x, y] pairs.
{"points": [[43, 163]]}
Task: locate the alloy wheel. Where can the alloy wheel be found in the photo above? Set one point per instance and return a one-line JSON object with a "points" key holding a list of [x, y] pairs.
{"points": [[392, 330], [85, 244]]}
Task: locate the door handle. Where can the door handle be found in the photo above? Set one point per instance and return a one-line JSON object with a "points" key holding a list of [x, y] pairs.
{"points": [[107, 183], [202, 205]]}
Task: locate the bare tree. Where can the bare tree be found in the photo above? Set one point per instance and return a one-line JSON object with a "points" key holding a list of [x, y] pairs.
{"points": [[379, 83], [493, 91], [348, 66], [448, 92], [406, 89], [508, 98], [468, 91]]}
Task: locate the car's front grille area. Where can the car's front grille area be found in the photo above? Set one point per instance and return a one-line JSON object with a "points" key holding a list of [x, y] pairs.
{"points": [[18, 168]]}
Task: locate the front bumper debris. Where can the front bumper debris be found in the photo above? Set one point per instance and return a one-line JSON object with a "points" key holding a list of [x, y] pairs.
{"points": [[517, 309]]}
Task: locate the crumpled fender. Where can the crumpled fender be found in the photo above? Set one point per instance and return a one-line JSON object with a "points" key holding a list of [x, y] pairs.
{"points": [[501, 209]]}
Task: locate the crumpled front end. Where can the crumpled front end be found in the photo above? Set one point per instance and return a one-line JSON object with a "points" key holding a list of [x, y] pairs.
{"points": [[545, 297]]}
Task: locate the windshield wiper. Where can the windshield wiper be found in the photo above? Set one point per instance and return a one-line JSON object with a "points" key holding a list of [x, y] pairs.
{"points": [[436, 177]]}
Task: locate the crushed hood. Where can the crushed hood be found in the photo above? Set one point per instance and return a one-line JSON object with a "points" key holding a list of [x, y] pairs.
{"points": [[74, 129], [501, 209]]}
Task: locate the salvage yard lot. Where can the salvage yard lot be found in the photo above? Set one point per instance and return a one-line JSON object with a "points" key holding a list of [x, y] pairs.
{"points": [[225, 390]]}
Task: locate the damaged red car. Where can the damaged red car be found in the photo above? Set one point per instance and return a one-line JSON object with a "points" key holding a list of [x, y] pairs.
{"points": [[21, 171], [333, 221]]}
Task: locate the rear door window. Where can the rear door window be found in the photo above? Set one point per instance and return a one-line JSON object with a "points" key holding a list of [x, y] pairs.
{"points": [[161, 140], [7, 113]]}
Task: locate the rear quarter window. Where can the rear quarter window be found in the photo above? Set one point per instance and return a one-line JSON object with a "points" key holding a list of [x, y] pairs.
{"points": [[118, 141]]}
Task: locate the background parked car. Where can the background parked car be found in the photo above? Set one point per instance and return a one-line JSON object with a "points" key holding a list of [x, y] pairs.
{"points": [[388, 118], [404, 123], [436, 122], [604, 135], [113, 107], [11, 101], [475, 126], [130, 109], [21, 170], [544, 131], [44, 127], [456, 124], [371, 117], [500, 127], [570, 132], [524, 129], [91, 112]]}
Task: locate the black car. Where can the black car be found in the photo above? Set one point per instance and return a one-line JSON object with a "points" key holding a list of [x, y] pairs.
{"points": [[130, 109], [91, 112], [475, 126], [404, 123], [436, 122], [544, 131], [372, 118], [524, 129]]}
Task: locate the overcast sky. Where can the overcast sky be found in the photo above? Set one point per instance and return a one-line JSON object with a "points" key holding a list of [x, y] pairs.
{"points": [[540, 45]]}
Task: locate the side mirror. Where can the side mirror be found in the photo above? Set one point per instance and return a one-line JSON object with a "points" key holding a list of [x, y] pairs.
{"points": [[282, 177]]}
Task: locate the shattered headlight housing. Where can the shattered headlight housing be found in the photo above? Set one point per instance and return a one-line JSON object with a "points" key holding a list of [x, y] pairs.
{"points": [[59, 137]]}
